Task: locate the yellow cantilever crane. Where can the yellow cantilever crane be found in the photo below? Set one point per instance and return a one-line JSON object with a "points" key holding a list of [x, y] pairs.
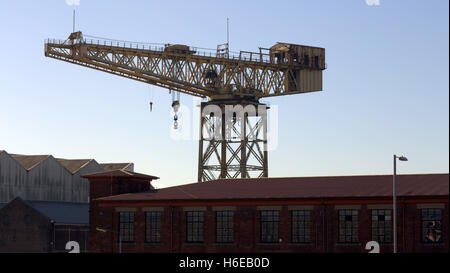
{"points": [[230, 146]]}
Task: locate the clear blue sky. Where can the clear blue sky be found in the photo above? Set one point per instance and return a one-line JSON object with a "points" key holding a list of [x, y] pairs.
{"points": [[386, 89]]}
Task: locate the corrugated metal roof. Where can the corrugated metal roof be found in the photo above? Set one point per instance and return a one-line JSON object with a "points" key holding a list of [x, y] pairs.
{"points": [[120, 173], [29, 161], [73, 165], [115, 166], [300, 187], [62, 212]]}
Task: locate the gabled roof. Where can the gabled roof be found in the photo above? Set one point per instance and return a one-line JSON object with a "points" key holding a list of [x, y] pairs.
{"points": [[74, 165], [59, 212], [115, 166], [120, 173], [299, 188], [29, 161], [63, 212]]}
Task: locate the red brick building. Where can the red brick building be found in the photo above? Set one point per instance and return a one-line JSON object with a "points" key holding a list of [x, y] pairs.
{"points": [[298, 214], [43, 226]]}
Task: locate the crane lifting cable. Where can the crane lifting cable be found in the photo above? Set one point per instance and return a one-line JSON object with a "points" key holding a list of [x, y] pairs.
{"points": [[150, 95]]}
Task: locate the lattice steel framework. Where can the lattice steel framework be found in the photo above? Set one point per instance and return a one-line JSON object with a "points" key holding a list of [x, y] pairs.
{"points": [[223, 78], [232, 144], [250, 75]]}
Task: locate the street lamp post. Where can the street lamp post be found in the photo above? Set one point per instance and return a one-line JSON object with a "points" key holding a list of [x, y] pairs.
{"points": [[394, 194]]}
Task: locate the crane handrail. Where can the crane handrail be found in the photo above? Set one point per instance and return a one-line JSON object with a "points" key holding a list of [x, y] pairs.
{"points": [[156, 47]]}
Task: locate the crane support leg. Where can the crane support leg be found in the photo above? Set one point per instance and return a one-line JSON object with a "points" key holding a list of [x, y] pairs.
{"points": [[233, 140]]}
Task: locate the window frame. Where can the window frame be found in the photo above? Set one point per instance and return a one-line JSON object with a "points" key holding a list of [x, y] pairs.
{"points": [[226, 226], [196, 221], [305, 228], [352, 229], [127, 225], [272, 224], [153, 227], [422, 225], [384, 228]]}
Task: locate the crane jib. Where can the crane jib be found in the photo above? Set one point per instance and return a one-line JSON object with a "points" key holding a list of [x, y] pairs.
{"points": [[285, 70]]}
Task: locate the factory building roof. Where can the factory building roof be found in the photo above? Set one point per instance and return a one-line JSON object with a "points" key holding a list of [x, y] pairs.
{"points": [[365, 186], [115, 166], [29, 162], [58, 212], [74, 165], [121, 174]]}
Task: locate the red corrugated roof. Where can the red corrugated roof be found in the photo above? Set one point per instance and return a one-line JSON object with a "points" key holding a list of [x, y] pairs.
{"points": [[299, 187]]}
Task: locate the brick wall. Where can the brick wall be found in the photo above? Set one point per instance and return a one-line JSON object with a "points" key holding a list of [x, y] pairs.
{"points": [[324, 231], [20, 235]]}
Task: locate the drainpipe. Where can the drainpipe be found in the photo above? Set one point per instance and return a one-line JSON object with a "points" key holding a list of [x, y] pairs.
{"points": [[255, 215], [404, 226], [53, 236], [171, 229], [324, 248]]}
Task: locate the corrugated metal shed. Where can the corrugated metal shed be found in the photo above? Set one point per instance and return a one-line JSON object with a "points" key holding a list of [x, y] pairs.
{"points": [[299, 187], [43, 177]]}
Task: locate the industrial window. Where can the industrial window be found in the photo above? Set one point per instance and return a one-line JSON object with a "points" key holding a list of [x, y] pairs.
{"points": [[126, 226], [348, 226], [306, 59], [432, 226], [194, 226], [316, 61], [224, 226], [27, 219], [153, 226], [301, 226], [6, 220], [269, 226], [382, 225]]}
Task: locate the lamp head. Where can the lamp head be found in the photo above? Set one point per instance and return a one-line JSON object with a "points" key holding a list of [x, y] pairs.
{"points": [[100, 229], [402, 158]]}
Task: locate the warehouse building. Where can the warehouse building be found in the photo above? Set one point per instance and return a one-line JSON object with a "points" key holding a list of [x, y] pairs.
{"points": [[44, 201], [297, 214], [43, 226], [43, 177]]}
